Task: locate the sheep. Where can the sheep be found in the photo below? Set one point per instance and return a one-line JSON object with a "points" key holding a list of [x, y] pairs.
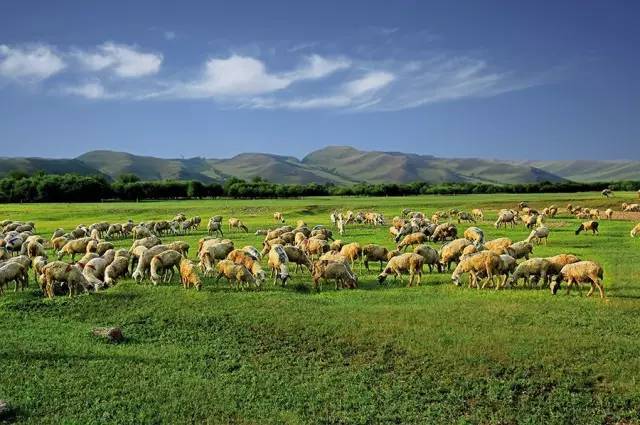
{"points": [[298, 257], [103, 247], [352, 251], [147, 242], [556, 263], [465, 216], [261, 232], [94, 270], [635, 231], [118, 268], [164, 262], [113, 231], [499, 246], [57, 233], [477, 214], [430, 255], [144, 262], [313, 247], [333, 257], [341, 229], [279, 264], [608, 213], [322, 233], [35, 249], [12, 271], [539, 234], [534, 267], [581, 272], [486, 261], [372, 252], [37, 263], [336, 245], [405, 263], [4, 254], [236, 223], [452, 251], [85, 259], [180, 246], [444, 231], [607, 192], [212, 252], [266, 245], [588, 225], [475, 235], [339, 272], [411, 240], [215, 227], [252, 251], [519, 250], [250, 262], [61, 272], [278, 217], [630, 207], [505, 217], [140, 232], [195, 222], [73, 247], [188, 275], [180, 217], [234, 273]]}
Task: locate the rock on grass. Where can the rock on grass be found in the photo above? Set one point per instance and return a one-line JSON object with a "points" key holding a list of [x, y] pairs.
{"points": [[112, 335]]}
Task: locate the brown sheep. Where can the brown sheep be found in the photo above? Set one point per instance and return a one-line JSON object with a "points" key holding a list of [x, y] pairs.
{"points": [[581, 272], [451, 252], [519, 250], [234, 273], [430, 255], [278, 217], [188, 275], [236, 223], [61, 272], [475, 235], [164, 262], [73, 247], [352, 251], [339, 272], [406, 263], [486, 262], [499, 246], [298, 257], [557, 262], [376, 253], [411, 240], [588, 225]]}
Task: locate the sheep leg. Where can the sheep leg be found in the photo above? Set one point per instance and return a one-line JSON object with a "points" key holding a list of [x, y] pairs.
{"points": [[600, 287]]}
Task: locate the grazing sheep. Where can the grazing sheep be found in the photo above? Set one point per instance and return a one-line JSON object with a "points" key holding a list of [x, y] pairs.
{"points": [[588, 225], [298, 257], [144, 262], [411, 240], [333, 257], [279, 264], [506, 217], [13, 272], [372, 252], [85, 259], [339, 272], [58, 272], [635, 231], [35, 249], [486, 262], [443, 232], [608, 213], [314, 247], [73, 247], [140, 232], [57, 233], [477, 214], [188, 275], [237, 273], [212, 252], [536, 268], [165, 263], [336, 245], [499, 246], [630, 207], [266, 245], [556, 263], [252, 251], [113, 231], [215, 227], [475, 235], [452, 251], [322, 233], [180, 246], [278, 217], [352, 251], [405, 263], [430, 255], [539, 234], [118, 268], [465, 216], [236, 223], [581, 272], [519, 250], [94, 269], [607, 193]]}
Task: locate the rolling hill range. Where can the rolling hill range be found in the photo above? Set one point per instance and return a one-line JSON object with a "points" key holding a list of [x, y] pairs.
{"points": [[333, 164]]}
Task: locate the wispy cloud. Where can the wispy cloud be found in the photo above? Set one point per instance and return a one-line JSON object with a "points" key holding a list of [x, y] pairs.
{"points": [[93, 90], [125, 61], [31, 63], [169, 35]]}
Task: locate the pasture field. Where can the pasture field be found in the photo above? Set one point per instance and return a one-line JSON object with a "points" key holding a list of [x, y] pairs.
{"points": [[379, 354]]}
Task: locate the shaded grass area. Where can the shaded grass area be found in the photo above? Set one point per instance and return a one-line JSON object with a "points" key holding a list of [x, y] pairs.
{"points": [[379, 354]]}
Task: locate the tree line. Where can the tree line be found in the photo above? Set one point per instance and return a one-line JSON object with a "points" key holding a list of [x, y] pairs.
{"points": [[40, 187]]}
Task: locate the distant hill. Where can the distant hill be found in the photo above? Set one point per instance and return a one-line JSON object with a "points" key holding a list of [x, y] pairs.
{"points": [[333, 164]]}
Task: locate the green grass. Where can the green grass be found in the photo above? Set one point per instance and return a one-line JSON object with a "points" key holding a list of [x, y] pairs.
{"points": [[380, 354]]}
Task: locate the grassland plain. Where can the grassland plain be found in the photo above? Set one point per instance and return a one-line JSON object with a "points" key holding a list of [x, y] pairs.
{"points": [[379, 354]]}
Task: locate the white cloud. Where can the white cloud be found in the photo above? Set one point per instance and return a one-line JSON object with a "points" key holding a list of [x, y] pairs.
{"points": [[242, 76], [125, 61], [89, 90], [371, 82], [31, 63]]}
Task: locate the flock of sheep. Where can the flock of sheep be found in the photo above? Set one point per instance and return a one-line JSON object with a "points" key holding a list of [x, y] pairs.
{"points": [[310, 248]]}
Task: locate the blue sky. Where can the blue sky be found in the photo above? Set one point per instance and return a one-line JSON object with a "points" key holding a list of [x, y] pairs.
{"points": [[496, 79]]}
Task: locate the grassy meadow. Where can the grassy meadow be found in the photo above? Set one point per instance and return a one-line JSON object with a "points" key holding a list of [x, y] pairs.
{"points": [[379, 354]]}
